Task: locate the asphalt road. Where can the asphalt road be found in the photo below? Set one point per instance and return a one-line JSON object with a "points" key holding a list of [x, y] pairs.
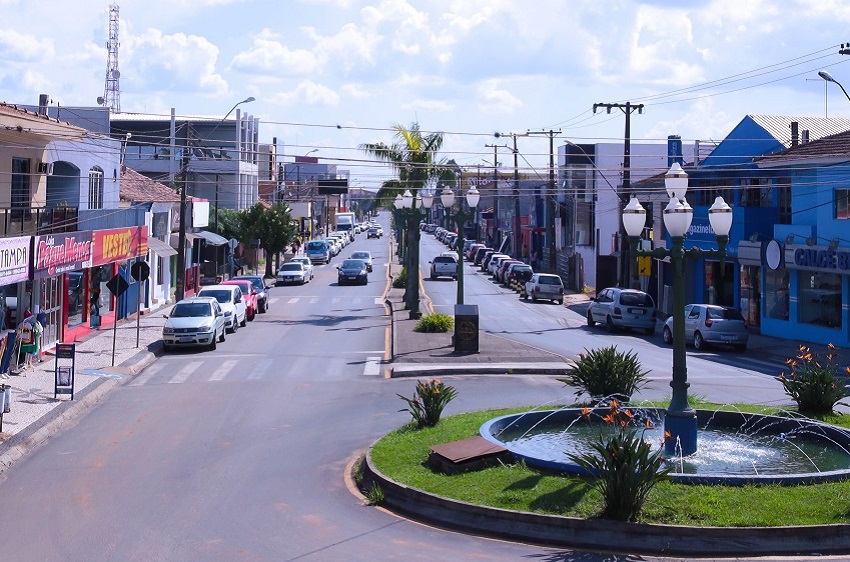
{"points": [[240, 453]]}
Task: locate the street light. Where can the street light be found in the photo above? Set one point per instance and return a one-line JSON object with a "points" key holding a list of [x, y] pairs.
{"points": [[398, 205], [828, 77], [413, 215], [680, 420], [447, 197]]}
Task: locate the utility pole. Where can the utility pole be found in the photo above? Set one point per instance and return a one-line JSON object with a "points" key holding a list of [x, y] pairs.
{"points": [[845, 49], [550, 199], [627, 108], [496, 148]]}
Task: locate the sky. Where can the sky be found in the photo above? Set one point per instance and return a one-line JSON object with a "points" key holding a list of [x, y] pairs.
{"points": [[330, 75]]}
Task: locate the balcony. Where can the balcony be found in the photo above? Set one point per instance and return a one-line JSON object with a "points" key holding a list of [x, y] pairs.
{"points": [[30, 221]]}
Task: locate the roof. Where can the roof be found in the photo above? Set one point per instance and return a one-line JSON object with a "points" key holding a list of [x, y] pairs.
{"points": [[833, 149], [31, 123], [137, 188], [780, 126]]}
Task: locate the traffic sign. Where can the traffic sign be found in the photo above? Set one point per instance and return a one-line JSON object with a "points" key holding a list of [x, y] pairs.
{"points": [[140, 270], [644, 266], [117, 285]]}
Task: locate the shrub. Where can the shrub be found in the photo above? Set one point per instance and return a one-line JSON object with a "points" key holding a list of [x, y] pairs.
{"points": [[606, 372], [436, 322], [623, 467], [427, 404], [812, 383], [400, 282]]}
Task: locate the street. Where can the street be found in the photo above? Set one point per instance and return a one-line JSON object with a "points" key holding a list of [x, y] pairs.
{"points": [[241, 453]]}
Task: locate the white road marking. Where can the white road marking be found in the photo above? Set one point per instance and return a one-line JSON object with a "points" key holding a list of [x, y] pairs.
{"points": [[372, 368], [146, 375], [259, 371], [186, 372], [335, 300], [223, 370], [379, 300], [314, 300], [293, 300]]}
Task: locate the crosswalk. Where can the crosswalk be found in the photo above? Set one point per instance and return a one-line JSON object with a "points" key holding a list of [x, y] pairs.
{"points": [[333, 300], [236, 368]]}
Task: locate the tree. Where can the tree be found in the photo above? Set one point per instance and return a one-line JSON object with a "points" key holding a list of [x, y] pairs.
{"points": [[412, 155], [273, 227]]}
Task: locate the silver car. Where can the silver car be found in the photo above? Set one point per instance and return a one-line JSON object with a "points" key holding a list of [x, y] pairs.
{"points": [[365, 256], [707, 324], [196, 321], [622, 308]]}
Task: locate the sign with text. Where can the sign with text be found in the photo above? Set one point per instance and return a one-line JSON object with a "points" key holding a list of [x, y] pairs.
{"points": [[58, 253], [14, 259], [117, 244]]}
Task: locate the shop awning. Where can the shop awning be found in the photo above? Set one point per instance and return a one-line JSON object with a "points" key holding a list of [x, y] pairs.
{"points": [[161, 248], [212, 238]]}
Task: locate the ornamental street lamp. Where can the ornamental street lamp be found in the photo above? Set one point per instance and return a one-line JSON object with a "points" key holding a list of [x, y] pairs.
{"points": [[413, 215], [398, 205], [447, 197], [680, 420]]}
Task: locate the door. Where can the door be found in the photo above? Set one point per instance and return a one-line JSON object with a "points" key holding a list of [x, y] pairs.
{"points": [[52, 296]]}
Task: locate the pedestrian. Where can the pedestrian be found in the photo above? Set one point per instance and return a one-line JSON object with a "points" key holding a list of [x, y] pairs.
{"points": [[534, 260]]}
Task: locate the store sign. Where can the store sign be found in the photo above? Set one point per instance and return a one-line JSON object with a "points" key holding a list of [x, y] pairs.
{"points": [[818, 258], [117, 244], [14, 259], [58, 253]]}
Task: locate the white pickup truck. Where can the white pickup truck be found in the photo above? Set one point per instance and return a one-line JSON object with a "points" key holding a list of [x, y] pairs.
{"points": [[444, 266]]}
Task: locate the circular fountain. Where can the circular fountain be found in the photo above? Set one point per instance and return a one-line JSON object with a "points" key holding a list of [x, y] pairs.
{"points": [[735, 448]]}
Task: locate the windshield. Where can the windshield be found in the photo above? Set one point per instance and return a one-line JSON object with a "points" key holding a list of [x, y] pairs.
{"points": [[444, 259], [352, 264], [219, 295], [256, 282], [361, 255], [636, 299], [191, 310], [292, 267], [316, 245], [723, 314], [549, 280]]}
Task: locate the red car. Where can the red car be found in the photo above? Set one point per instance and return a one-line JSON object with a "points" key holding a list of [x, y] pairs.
{"points": [[250, 294]]}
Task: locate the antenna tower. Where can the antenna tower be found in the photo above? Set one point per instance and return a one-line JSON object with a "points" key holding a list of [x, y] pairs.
{"points": [[111, 91]]}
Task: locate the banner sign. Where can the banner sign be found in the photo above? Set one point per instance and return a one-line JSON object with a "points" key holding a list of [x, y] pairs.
{"points": [[58, 253], [14, 259], [118, 244]]}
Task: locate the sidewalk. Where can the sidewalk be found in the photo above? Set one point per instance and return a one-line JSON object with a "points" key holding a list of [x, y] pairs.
{"points": [[35, 414]]}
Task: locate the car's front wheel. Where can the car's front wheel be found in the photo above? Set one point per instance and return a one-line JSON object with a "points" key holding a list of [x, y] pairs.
{"points": [[667, 334], [590, 321], [213, 345], [222, 336], [244, 320]]}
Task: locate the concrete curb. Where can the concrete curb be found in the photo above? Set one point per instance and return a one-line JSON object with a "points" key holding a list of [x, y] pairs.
{"points": [[60, 418], [606, 535], [425, 370]]}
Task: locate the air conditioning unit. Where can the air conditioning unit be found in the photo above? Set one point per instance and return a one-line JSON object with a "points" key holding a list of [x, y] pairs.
{"points": [[45, 168]]}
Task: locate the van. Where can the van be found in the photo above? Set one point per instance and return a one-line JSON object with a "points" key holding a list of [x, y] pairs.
{"points": [[319, 251]]}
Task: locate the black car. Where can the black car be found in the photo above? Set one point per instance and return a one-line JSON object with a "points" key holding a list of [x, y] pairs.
{"points": [[352, 271], [259, 285], [479, 255], [373, 233]]}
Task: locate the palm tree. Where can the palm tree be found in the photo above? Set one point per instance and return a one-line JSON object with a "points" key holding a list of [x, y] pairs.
{"points": [[413, 156]]}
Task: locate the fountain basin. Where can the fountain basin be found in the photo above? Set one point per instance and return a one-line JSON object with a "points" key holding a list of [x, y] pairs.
{"points": [[733, 448]]}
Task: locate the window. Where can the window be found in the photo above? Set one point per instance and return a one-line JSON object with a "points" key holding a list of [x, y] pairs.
{"points": [[783, 192], [842, 203], [21, 195], [820, 299], [755, 193], [709, 190], [95, 188], [776, 294]]}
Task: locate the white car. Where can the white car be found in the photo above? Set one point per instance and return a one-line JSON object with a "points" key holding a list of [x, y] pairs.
{"points": [[196, 321], [308, 265], [545, 286], [230, 299], [292, 272]]}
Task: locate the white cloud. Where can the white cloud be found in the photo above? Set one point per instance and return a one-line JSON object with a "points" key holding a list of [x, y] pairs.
{"points": [[310, 93], [15, 46], [494, 100], [270, 55], [351, 47], [355, 91], [430, 105]]}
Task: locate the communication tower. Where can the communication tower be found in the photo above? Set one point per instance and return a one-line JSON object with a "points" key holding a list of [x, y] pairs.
{"points": [[111, 91]]}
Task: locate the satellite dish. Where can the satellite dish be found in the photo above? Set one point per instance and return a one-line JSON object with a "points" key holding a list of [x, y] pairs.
{"points": [[100, 100], [116, 73]]}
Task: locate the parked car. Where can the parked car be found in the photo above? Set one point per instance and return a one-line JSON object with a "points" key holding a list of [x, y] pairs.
{"points": [[292, 272], [485, 261], [472, 250], [503, 270], [230, 299], [263, 292], [622, 308], [494, 262], [520, 273], [708, 324], [373, 232], [319, 251], [444, 266], [480, 253], [196, 321], [467, 244], [365, 256], [248, 293], [352, 271], [308, 265], [545, 286], [450, 240]]}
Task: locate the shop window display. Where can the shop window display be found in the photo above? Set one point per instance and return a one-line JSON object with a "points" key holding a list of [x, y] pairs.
{"points": [[820, 299]]}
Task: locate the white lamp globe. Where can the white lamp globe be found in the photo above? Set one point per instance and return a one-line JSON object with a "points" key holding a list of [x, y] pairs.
{"points": [[397, 202], [447, 197], [676, 181], [473, 197], [407, 199], [634, 217], [427, 199], [677, 217], [720, 216]]}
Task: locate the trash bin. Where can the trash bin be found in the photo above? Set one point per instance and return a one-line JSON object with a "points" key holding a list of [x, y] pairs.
{"points": [[466, 328]]}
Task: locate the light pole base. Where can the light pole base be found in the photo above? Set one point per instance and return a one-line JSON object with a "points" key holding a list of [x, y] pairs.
{"points": [[414, 315], [682, 430]]}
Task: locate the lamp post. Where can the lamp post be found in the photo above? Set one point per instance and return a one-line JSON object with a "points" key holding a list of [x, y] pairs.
{"points": [[398, 205], [447, 197], [680, 420], [828, 77], [413, 215]]}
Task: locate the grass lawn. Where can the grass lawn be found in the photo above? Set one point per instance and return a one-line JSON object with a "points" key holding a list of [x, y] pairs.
{"points": [[402, 456]]}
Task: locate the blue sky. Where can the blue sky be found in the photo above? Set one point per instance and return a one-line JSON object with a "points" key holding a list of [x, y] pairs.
{"points": [[332, 74]]}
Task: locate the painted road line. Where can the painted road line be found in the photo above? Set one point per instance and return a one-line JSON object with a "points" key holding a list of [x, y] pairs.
{"points": [[372, 368], [186, 372], [379, 300], [293, 300], [223, 370], [146, 375], [260, 370], [314, 300]]}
